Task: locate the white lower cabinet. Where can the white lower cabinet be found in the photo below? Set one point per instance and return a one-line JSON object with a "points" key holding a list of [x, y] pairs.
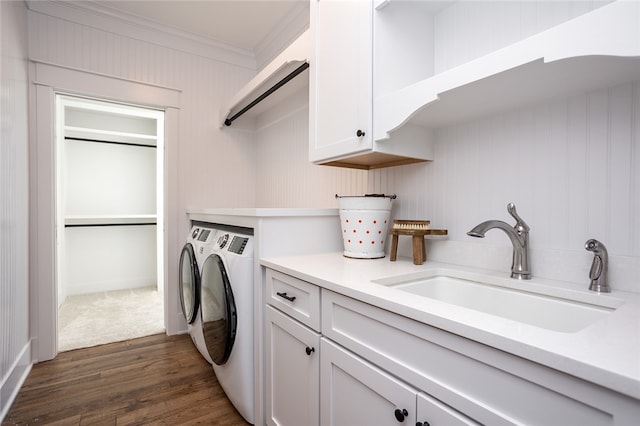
{"points": [[363, 365], [354, 392], [293, 371], [489, 386]]}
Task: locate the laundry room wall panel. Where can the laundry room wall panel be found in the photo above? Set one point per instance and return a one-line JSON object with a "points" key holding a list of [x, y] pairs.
{"points": [[97, 249], [83, 47], [15, 342], [286, 178], [109, 179]]}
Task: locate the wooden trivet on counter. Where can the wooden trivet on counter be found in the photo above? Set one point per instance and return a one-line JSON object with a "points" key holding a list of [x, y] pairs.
{"points": [[417, 229]]}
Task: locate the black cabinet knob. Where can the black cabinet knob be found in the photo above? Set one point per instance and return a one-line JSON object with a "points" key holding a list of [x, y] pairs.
{"points": [[401, 414], [360, 133], [309, 350], [422, 424]]}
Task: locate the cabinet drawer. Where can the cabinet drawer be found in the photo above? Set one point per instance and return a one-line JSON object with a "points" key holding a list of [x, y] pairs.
{"points": [[298, 299], [487, 385]]}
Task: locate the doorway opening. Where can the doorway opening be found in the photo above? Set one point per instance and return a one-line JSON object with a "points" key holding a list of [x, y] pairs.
{"points": [[109, 207]]}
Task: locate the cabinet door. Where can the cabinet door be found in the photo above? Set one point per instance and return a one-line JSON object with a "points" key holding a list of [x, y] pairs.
{"points": [[292, 370], [354, 392], [340, 97]]}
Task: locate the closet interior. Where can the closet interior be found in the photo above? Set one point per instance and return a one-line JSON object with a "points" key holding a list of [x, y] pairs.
{"points": [[109, 254]]}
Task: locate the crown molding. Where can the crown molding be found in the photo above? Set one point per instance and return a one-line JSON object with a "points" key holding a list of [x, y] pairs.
{"points": [[114, 21], [288, 30]]}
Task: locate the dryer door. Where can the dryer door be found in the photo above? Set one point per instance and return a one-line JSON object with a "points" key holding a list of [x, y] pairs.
{"points": [[219, 317], [189, 283]]}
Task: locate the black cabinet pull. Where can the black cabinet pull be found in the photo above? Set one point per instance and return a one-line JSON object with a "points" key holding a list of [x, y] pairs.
{"points": [[284, 296], [401, 414], [422, 424], [309, 350], [360, 133]]}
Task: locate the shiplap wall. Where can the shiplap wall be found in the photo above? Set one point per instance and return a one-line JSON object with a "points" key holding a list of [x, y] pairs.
{"points": [[286, 178], [205, 84], [467, 30], [571, 166], [15, 356]]}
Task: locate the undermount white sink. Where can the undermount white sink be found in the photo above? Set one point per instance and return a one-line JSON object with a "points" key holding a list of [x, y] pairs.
{"points": [[527, 302]]}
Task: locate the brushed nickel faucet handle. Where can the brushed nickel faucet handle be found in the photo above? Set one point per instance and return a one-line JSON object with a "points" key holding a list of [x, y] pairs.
{"points": [[521, 225]]}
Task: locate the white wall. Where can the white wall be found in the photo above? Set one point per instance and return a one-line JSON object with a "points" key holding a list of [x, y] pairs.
{"points": [[106, 258], [15, 356], [286, 178], [109, 179], [571, 166]]}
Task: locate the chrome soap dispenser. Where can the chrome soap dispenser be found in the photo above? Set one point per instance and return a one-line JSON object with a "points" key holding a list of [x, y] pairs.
{"points": [[599, 267]]}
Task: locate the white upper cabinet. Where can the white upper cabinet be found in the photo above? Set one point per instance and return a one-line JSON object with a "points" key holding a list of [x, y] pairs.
{"points": [[487, 57], [396, 69], [340, 80], [341, 91]]}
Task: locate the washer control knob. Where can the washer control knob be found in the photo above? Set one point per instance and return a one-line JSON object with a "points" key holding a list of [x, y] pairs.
{"points": [[222, 241]]}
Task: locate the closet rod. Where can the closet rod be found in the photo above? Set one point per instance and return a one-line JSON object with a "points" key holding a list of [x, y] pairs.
{"points": [[285, 80], [85, 225], [69, 138]]}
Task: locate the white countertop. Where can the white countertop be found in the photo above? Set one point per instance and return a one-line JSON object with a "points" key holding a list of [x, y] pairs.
{"points": [[606, 352]]}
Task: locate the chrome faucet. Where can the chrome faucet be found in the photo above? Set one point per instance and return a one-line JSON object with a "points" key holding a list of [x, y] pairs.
{"points": [[519, 236], [599, 267]]}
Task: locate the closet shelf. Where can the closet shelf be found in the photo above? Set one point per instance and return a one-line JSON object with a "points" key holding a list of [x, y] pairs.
{"points": [[596, 50], [110, 136], [293, 61], [110, 220]]}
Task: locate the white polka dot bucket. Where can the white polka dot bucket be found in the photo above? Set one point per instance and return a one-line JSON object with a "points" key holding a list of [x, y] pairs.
{"points": [[364, 222]]}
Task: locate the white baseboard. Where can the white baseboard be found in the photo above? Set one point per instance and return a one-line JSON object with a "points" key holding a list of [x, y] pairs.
{"points": [[13, 381]]}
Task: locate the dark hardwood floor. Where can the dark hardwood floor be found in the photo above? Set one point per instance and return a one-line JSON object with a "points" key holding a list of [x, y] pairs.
{"points": [[152, 380]]}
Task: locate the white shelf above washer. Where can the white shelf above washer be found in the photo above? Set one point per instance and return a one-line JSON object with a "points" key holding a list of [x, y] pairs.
{"points": [[291, 59]]}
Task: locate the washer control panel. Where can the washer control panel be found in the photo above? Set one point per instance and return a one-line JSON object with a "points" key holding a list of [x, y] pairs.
{"points": [[204, 235], [238, 244]]}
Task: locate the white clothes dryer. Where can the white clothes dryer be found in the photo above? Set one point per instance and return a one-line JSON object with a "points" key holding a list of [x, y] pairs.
{"points": [[191, 285], [221, 312]]}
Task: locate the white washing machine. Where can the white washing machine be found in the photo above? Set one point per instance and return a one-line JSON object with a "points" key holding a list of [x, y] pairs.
{"points": [[216, 292]]}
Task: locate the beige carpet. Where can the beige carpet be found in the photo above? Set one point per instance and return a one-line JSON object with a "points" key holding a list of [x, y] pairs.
{"points": [[95, 319]]}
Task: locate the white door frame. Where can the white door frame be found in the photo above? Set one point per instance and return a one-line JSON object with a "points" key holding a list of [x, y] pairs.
{"points": [[49, 80], [63, 101]]}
